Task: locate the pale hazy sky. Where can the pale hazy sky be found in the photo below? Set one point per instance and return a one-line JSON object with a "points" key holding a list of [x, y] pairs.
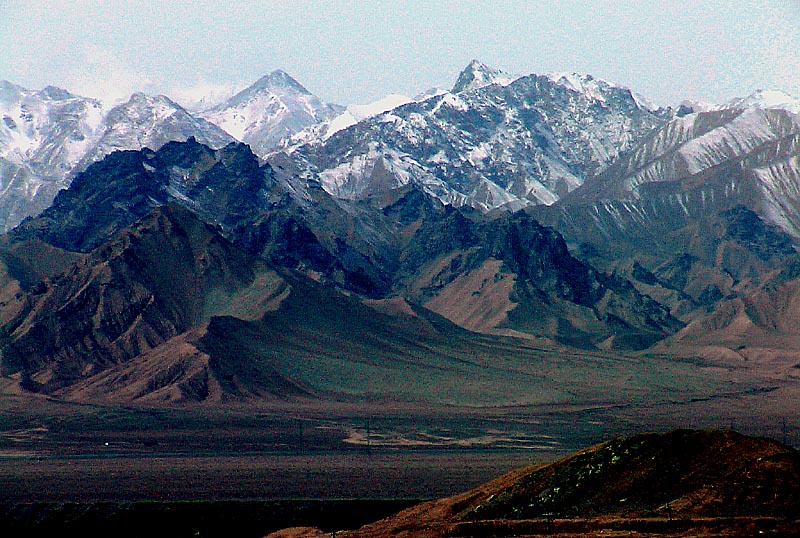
{"points": [[356, 52]]}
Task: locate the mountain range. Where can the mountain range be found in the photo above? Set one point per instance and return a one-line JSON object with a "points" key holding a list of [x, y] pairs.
{"points": [[107, 237], [158, 255], [494, 140]]}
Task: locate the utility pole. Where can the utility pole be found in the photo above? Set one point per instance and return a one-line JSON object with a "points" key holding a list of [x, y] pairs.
{"points": [[300, 440], [784, 432]]}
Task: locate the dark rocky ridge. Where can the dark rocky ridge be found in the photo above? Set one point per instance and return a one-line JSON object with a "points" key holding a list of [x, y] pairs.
{"points": [[53, 135], [287, 224], [150, 265], [146, 121], [549, 282], [142, 288], [376, 247]]}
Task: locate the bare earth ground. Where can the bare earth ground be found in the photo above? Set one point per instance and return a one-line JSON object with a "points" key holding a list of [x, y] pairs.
{"points": [[61, 452], [123, 472], [55, 451], [277, 476]]}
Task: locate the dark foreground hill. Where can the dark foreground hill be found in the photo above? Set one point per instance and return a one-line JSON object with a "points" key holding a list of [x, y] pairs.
{"points": [[683, 483]]}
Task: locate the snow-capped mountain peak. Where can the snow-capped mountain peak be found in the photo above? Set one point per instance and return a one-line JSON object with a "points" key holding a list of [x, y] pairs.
{"points": [[49, 135], [578, 82], [766, 99], [477, 75], [10, 91], [280, 79], [139, 100], [269, 111], [581, 83], [54, 93], [276, 83], [504, 145], [598, 89], [50, 126], [151, 121], [43, 135]]}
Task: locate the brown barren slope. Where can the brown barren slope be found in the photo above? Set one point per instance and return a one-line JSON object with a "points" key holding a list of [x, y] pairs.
{"points": [[684, 483]]}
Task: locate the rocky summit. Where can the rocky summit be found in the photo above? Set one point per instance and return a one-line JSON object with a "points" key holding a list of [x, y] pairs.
{"points": [[493, 142], [268, 113]]}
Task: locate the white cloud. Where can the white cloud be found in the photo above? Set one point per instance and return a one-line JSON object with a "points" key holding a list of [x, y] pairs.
{"points": [[203, 95], [104, 75]]}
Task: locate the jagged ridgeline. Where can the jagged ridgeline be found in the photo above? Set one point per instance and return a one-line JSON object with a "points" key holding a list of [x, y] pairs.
{"points": [[149, 249], [48, 136], [523, 140], [492, 141], [706, 205]]}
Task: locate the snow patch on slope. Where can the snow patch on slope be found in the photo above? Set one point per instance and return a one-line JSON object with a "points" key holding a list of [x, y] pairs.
{"points": [[780, 183], [356, 113], [737, 137], [580, 83], [270, 111]]}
